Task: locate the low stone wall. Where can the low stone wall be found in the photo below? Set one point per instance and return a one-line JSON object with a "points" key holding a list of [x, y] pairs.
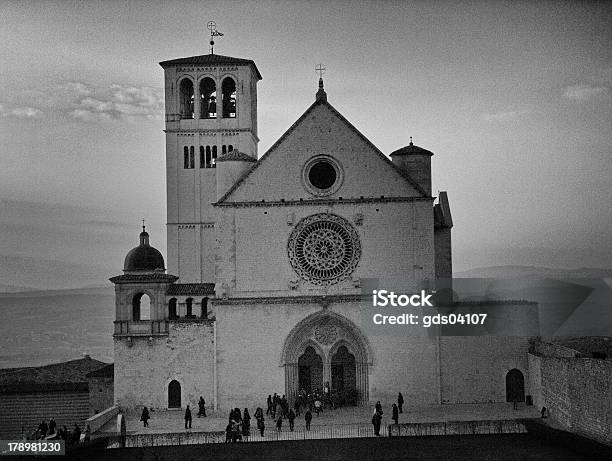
{"points": [[165, 439], [100, 419], [507, 426]]}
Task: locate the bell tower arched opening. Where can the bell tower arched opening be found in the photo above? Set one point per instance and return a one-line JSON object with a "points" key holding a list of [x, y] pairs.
{"points": [[186, 98], [208, 98]]}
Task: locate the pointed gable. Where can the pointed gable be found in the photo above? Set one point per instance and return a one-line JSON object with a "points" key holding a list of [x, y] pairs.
{"points": [[364, 171]]}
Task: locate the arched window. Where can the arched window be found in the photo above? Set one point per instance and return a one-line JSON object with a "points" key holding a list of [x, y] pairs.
{"points": [[208, 157], [186, 95], [202, 161], [189, 307], [204, 308], [208, 98], [185, 157], [223, 149], [191, 157], [214, 156], [230, 148], [228, 90], [172, 314], [141, 307], [174, 394]]}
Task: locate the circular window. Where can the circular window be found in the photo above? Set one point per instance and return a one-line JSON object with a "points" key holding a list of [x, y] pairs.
{"points": [[322, 175], [324, 249]]}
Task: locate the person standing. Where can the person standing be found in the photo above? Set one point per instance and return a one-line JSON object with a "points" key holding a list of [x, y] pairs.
{"points": [[279, 423], [400, 402], [202, 407], [269, 403], [379, 408], [291, 418], [187, 417], [259, 416], [246, 423], [144, 417], [376, 420], [308, 418], [52, 425], [395, 414]]}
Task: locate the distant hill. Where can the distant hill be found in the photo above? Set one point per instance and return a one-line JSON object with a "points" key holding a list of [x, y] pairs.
{"points": [[503, 272], [44, 274]]}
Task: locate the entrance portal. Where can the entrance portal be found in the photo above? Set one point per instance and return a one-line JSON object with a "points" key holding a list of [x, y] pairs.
{"points": [[174, 394], [343, 370], [515, 386], [310, 376]]}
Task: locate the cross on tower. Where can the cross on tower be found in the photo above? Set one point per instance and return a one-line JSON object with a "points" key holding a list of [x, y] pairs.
{"points": [[320, 69], [212, 26], [143, 224]]}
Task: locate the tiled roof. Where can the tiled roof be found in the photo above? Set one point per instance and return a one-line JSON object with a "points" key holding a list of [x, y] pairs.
{"points": [[210, 59], [196, 289], [71, 375], [236, 155], [105, 372], [411, 149], [154, 277]]}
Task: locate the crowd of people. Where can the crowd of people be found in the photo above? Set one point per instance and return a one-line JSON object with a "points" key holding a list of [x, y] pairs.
{"points": [[50, 431]]}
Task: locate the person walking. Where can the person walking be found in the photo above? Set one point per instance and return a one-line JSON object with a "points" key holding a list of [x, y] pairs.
{"points": [[187, 417], [395, 414], [308, 418], [291, 418], [259, 416], [202, 407], [269, 403], [400, 402], [144, 417], [279, 423]]}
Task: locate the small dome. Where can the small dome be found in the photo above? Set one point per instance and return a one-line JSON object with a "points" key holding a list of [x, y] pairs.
{"points": [[144, 257], [411, 149]]}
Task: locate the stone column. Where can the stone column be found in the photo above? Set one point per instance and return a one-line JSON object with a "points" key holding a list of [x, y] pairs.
{"points": [[291, 381]]}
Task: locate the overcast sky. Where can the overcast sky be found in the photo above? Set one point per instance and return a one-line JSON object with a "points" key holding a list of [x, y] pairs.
{"points": [[514, 99]]}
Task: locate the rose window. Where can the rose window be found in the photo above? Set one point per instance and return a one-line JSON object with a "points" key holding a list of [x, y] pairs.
{"points": [[324, 249]]}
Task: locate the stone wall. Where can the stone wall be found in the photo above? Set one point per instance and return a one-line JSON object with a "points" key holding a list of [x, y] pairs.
{"points": [[144, 369], [576, 392], [101, 394]]}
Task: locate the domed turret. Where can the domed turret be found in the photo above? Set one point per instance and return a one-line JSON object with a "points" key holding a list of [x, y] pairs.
{"points": [[144, 257]]}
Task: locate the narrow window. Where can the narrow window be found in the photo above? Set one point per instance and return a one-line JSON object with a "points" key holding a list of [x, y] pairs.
{"points": [[204, 308], [172, 314], [141, 307], [189, 307], [202, 163], [214, 156], [185, 157], [223, 149], [191, 158], [208, 98], [186, 98], [208, 157], [228, 90], [230, 148]]}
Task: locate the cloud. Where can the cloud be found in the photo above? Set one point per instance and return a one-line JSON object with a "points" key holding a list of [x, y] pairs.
{"points": [[584, 92], [90, 103], [20, 112], [505, 116]]}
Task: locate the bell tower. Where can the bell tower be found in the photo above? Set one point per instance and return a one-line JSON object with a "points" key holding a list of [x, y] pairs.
{"points": [[211, 109]]}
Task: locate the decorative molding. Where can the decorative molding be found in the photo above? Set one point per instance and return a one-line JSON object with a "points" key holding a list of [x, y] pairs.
{"points": [[328, 201], [323, 300]]}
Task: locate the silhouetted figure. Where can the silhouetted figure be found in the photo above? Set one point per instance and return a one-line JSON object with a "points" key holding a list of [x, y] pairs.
{"points": [[246, 423], [279, 423], [261, 425], [308, 418], [52, 426], [376, 420], [201, 407], [544, 412], [269, 403], [43, 428], [395, 414], [87, 434], [228, 432], [379, 409], [400, 402], [144, 417], [291, 418], [76, 434], [187, 418]]}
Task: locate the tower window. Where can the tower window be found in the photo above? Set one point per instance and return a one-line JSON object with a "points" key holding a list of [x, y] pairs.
{"points": [[214, 156], [189, 307], [228, 90], [208, 98], [208, 157], [223, 149], [191, 157], [141, 307], [230, 148], [172, 313], [204, 308], [186, 98], [185, 157], [202, 161]]}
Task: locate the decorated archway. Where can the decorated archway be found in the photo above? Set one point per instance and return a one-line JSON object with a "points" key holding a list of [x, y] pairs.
{"points": [[326, 348]]}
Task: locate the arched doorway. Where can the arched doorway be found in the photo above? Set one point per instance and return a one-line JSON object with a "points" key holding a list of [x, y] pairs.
{"points": [[327, 347], [310, 370], [515, 386], [343, 370], [174, 394]]}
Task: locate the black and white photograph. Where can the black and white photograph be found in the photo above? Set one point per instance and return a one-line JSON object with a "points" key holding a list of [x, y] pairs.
{"points": [[306, 230]]}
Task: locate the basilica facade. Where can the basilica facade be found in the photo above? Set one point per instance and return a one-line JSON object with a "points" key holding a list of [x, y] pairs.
{"points": [[268, 256]]}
